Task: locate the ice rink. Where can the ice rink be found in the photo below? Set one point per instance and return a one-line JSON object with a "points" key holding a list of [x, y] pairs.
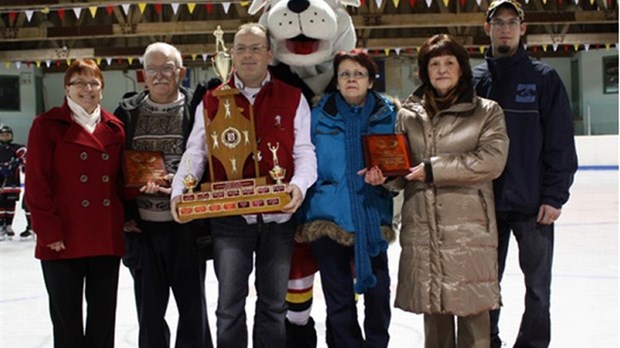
{"points": [[584, 293]]}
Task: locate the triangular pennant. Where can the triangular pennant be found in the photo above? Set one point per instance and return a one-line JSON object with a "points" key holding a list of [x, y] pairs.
{"points": [[544, 47], [463, 3], [175, 7], [7, 65], [98, 60], [191, 6], [576, 46], [68, 61], [527, 1], [597, 46], [412, 3], [446, 2], [109, 61], [544, 2], [607, 46], [397, 50], [226, 6], [140, 60], [126, 8], [417, 49], [470, 50], [157, 8], [204, 57], [576, 2], [38, 63], [534, 49], [48, 63], [18, 64], [141, 7], [428, 3], [481, 48], [387, 51], [119, 60], [378, 2], [565, 47], [93, 11], [555, 47], [586, 47], [244, 3], [209, 8], [130, 60], [396, 3], [12, 16], [45, 10], [478, 2], [560, 2], [362, 3], [29, 14], [591, 2], [525, 47], [77, 11], [194, 55], [109, 10], [57, 63], [61, 13]]}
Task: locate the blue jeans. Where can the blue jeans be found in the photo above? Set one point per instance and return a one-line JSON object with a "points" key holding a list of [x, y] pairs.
{"points": [[535, 258], [235, 243], [336, 268]]}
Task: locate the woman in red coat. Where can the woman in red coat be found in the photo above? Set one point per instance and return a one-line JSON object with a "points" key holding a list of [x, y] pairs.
{"points": [[73, 191]]}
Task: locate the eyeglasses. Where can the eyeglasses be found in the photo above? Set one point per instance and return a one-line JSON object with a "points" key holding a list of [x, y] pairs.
{"points": [[94, 85], [357, 74], [254, 49], [511, 24], [167, 70]]}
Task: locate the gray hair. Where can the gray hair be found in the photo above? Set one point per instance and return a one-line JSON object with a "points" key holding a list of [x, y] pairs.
{"points": [[165, 49]]}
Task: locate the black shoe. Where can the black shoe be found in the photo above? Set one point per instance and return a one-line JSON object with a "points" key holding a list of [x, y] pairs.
{"points": [[26, 234]]}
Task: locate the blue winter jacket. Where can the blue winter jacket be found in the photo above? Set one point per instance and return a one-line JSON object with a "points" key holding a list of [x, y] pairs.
{"points": [[329, 198], [541, 159]]}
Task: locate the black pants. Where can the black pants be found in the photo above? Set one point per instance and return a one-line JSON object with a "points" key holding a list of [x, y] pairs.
{"points": [[535, 258], [165, 256], [67, 281]]}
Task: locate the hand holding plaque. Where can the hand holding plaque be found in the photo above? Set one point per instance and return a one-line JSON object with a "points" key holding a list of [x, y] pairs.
{"points": [[141, 167], [390, 152]]}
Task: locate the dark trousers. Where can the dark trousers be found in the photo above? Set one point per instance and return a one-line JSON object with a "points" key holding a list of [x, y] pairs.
{"points": [[235, 243], [164, 257], [67, 283], [535, 243], [335, 266]]}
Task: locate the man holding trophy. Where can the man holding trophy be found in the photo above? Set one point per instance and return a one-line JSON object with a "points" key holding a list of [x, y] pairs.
{"points": [[278, 144]]}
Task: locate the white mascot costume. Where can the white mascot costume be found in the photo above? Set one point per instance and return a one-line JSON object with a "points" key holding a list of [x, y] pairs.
{"points": [[305, 37]]}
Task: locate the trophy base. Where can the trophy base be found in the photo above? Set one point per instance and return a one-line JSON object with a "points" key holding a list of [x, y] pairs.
{"points": [[237, 197]]}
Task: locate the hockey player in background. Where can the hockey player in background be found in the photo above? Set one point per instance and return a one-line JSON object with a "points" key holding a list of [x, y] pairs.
{"points": [[12, 158]]}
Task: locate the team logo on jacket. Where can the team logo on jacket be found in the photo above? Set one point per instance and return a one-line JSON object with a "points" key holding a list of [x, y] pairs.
{"points": [[526, 93]]}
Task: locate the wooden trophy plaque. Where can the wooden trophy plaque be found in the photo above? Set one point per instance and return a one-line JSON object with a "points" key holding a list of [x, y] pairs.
{"points": [[390, 152], [231, 139]]}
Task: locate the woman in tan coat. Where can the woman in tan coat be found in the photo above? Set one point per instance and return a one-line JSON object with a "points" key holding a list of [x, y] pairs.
{"points": [[448, 264]]}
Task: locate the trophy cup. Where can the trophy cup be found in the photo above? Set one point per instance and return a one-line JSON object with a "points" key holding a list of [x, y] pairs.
{"points": [[231, 139]]}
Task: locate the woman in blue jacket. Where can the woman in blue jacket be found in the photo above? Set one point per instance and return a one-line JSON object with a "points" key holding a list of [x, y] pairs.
{"points": [[348, 221]]}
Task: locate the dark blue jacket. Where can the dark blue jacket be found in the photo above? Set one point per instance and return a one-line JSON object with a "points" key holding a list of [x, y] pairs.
{"points": [[542, 159]]}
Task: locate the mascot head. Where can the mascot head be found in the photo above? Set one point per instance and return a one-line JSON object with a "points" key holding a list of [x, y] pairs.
{"points": [[307, 32]]}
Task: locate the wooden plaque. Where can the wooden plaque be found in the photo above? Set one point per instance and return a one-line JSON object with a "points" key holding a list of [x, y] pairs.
{"points": [[390, 152], [140, 167]]}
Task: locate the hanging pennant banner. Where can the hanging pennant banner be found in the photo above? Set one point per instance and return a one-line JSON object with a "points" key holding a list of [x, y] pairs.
{"points": [[175, 7], [38, 63], [586, 47], [18, 64], [93, 11], [397, 50], [226, 6], [428, 3], [48, 63], [141, 7], [109, 9], [29, 14], [98, 60], [61, 13], [126, 8], [109, 61], [191, 6], [77, 11], [130, 60], [446, 2], [157, 8], [387, 51], [378, 2], [396, 3], [204, 57], [12, 16], [7, 65]]}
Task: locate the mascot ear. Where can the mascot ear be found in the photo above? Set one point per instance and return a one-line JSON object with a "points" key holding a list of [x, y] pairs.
{"points": [[354, 3], [257, 5]]}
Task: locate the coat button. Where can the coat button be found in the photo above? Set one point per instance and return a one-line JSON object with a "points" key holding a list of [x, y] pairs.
{"points": [[84, 156], [85, 203], [106, 202], [105, 178], [105, 156], [83, 178]]}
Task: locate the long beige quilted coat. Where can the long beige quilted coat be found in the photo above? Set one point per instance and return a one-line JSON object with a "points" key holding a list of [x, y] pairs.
{"points": [[448, 262]]}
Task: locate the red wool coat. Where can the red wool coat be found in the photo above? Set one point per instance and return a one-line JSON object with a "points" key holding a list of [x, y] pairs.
{"points": [[72, 185]]}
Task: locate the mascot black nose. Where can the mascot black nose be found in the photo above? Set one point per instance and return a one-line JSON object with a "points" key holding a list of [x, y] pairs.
{"points": [[298, 6]]}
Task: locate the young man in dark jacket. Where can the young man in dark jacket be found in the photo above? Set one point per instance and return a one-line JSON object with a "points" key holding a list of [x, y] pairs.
{"points": [[541, 161], [163, 255]]}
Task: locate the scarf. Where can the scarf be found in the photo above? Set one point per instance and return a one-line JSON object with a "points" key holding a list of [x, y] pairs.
{"points": [[82, 117], [434, 103], [369, 241]]}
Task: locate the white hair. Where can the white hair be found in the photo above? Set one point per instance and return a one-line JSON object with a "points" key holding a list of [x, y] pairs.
{"points": [[165, 49]]}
